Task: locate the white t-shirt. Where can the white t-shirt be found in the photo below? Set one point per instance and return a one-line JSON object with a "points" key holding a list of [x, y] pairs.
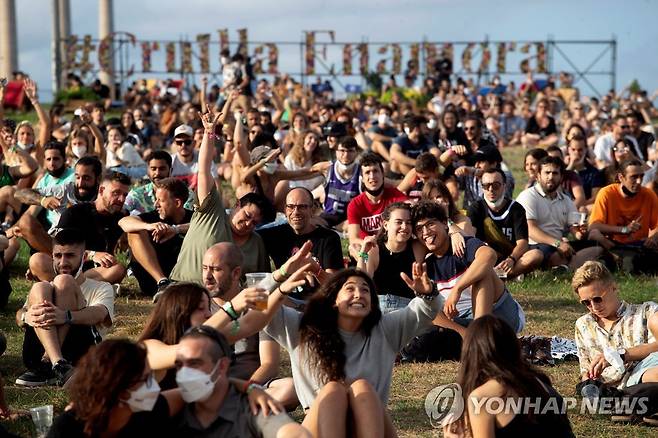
{"points": [[604, 144], [126, 153], [178, 168], [311, 183]]}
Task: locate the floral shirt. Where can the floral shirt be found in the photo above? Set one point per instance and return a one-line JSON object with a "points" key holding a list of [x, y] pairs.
{"points": [[142, 200], [630, 330]]}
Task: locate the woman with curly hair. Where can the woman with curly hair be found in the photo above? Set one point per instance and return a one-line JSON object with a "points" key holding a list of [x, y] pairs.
{"points": [[342, 350], [492, 367], [114, 394]]}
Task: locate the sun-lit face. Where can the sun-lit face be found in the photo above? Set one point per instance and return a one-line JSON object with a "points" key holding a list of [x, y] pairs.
{"points": [[246, 219], [25, 135], [310, 142], [353, 299], [432, 233], [599, 298], [398, 226], [531, 167]]}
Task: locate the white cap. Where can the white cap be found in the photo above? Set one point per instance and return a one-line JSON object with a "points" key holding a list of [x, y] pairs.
{"points": [[184, 130]]}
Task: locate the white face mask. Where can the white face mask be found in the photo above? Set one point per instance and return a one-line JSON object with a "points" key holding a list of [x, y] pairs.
{"points": [[345, 168], [270, 168], [23, 146], [144, 397], [407, 131], [382, 120], [432, 124], [79, 151], [495, 204], [195, 385]]}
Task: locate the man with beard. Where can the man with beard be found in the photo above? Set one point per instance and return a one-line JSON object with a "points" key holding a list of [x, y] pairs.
{"points": [[98, 223], [625, 216], [62, 317], [155, 238], [549, 213], [56, 199], [364, 212], [501, 223], [283, 241], [142, 199], [211, 224]]}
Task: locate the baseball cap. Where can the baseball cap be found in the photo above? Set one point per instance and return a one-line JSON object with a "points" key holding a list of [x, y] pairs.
{"points": [[185, 130], [489, 155], [258, 153]]}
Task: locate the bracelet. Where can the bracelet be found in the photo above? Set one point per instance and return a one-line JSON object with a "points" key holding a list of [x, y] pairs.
{"points": [[624, 230], [513, 258], [557, 243], [68, 318], [283, 273], [41, 202], [363, 256], [431, 295], [235, 327], [91, 255], [253, 386], [450, 222], [176, 229], [230, 311]]}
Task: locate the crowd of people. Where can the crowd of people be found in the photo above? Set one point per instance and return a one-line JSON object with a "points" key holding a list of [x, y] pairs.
{"points": [[389, 231]]}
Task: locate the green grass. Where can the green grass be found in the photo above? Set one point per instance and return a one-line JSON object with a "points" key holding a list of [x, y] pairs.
{"points": [[551, 309]]}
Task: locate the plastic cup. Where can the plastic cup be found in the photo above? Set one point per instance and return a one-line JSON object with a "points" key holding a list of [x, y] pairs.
{"points": [[42, 416], [258, 279]]}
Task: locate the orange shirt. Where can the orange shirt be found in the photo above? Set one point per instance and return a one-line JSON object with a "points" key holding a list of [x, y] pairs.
{"points": [[612, 208]]}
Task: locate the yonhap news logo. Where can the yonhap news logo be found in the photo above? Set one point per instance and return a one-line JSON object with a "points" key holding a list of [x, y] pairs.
{"points": [[444, 404]]}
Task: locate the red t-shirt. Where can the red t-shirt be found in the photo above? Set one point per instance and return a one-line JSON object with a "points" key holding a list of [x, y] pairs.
{"points": [[368, 215]]}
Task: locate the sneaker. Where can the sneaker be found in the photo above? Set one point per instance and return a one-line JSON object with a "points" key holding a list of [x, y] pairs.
{"points": [[162, 285], [36, 378], [63, 370], [560, 269]]}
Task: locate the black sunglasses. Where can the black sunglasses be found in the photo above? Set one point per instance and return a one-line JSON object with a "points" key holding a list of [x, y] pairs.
{"points": [[183, 142]]}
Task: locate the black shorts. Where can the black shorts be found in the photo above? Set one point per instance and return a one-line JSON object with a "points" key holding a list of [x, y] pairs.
{"points": [[77, 342]]}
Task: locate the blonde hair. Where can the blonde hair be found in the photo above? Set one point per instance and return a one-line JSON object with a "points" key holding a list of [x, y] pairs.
{"points": [[589, 273]]}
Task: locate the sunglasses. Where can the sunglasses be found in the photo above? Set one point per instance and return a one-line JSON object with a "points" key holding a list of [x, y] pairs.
{"points": [[494, 185], [183, 142], [593, 300], [470, 128]]}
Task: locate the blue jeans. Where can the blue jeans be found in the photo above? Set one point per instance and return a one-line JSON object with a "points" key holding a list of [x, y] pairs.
{"points": [[389, 303], [506, 308]]}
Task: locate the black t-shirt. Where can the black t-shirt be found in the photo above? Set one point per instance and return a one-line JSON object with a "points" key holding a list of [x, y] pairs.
{"points": [[154, 423], [411, 149], [282, 242], [172, 246], [532, 127], [484, 146], [101, 231], [387, 275], [591, 177], [644, 141], [510, 223]]}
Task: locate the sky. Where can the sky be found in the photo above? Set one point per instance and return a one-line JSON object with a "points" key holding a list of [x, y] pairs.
{"points": [[631, 22]]}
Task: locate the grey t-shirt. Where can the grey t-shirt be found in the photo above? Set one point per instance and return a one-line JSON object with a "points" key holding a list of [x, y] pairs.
{"points": [[369, 358]]}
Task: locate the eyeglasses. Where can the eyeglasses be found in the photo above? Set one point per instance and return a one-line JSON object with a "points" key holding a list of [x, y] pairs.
{"points": [[593, 300], [183, 142], [300, 207], [492, 186], [625, 127], [429, 225], [621, 149], [470, 128]]}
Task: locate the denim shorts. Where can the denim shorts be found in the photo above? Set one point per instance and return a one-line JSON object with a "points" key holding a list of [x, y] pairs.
{"points": [[506, 308], [389, 303], [651, 361]]}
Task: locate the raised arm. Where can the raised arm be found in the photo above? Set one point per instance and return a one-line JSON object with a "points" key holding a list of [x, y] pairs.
{"points": [[205, 180], [27, 166], [30, 88], [99, 140]]}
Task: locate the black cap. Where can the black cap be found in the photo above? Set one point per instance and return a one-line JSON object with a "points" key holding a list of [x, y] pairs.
{"points": [[335, 129], [490, 155]]}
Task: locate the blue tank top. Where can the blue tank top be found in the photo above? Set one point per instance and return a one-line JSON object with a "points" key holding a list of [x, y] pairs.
{"points": [[339, 193]]}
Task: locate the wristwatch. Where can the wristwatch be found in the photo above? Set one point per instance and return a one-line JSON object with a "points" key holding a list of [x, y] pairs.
{"points": [[557, 243], [622, 354], [625, 230]]}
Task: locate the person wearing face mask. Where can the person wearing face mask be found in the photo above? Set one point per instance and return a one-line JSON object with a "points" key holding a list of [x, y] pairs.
{"points": [[114, 393], [626, 214], [213, 406], [63, 317], [364, 212], [57, 198], [383, 133], [501, 223]]}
